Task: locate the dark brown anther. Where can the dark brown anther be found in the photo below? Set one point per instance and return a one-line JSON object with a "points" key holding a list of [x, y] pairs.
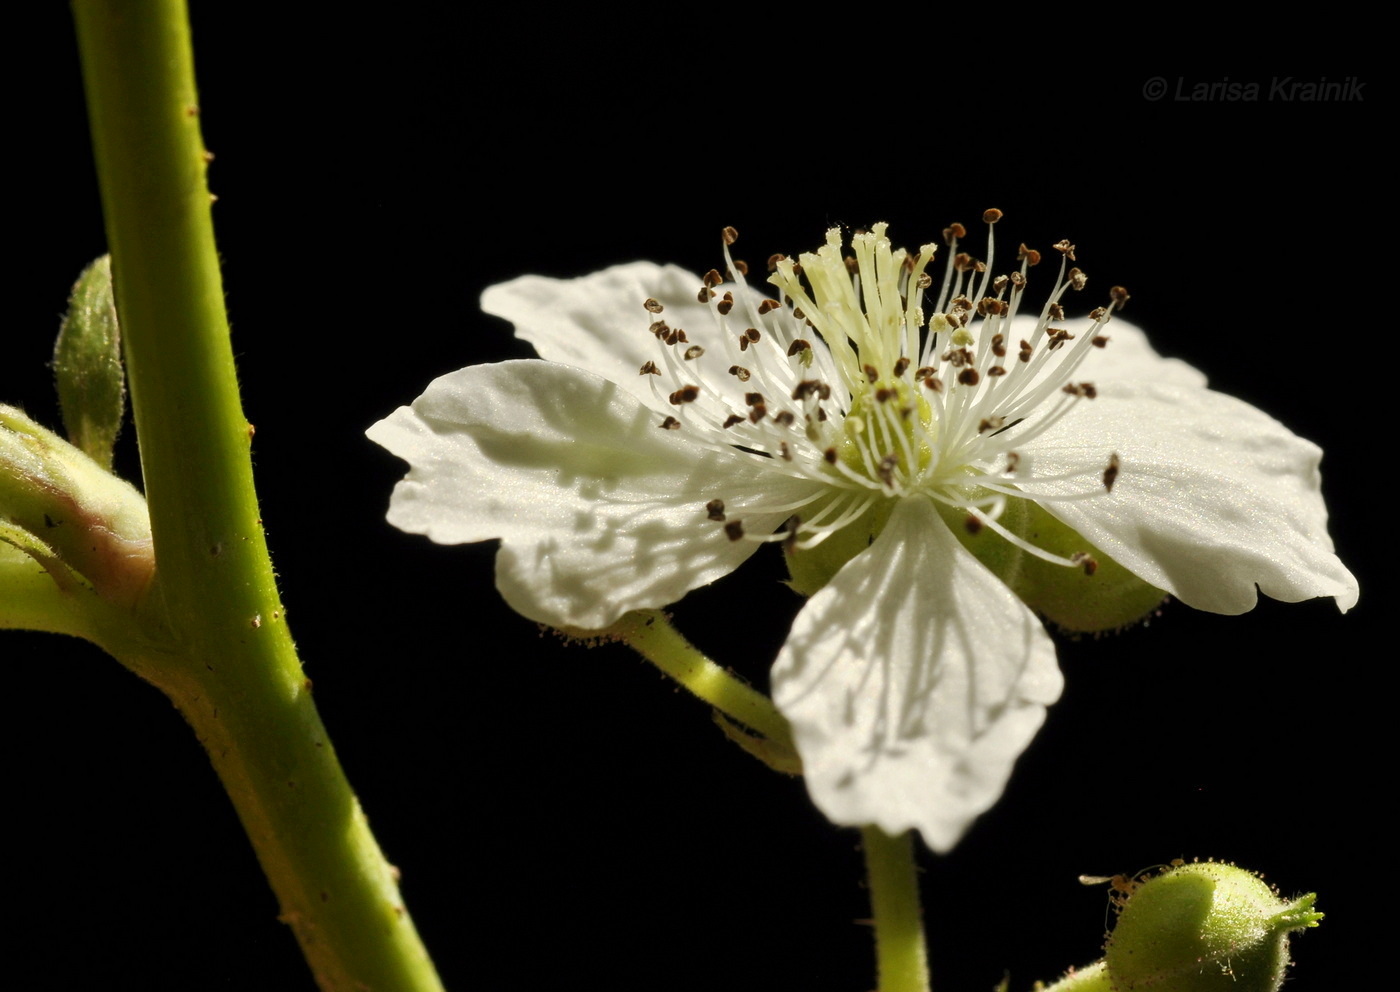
{"points": [[885, 470], [1086, 561], [883, 395], [924, 371], [1119, 296], [758, 412], [768, 305], [996, 370], [1025, 353], [973, 524], [901, 365], [830, 455], [686, 394], [649, 369], [1057, 311], [725, 305], [734, 530], [741, 267], [797, 312], [1059, 337], [693, 352], [925, 281], [670, 424], [793, 525], [773, 261], [731, 420], [999, 345], [713, 278], [968, 376], [1018, 281], [743, 342], [934, 383], [991, 424], [1099, 341], [1077, 280], [991, 216], [1066, 249], [1098, 314], [953, 232], [999, 284], [784, 452], [799, 345], [715, 509], [705, 295], [730, 235], [785, 417], [659, 328], [1028, 255], [872, 373], [752, 334], [753, 399], [962, 261], [1110, 474], [652, 306], [740, 373], [673, 336], [1012, 461], [805, 388], [852, 266]]}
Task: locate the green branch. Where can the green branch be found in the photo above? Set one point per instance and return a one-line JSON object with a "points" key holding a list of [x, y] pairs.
{"points": [[228, 661]]}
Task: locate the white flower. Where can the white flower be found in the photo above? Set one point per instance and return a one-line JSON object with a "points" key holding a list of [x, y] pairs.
{"points": [[654, 449]]}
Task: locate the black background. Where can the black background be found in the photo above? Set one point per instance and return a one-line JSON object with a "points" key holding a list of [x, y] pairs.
{"points": [[563, 815]]}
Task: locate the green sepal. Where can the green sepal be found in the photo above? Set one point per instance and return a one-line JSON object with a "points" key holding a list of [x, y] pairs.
{"points": [[812, 568], [87, 364], [1071, 598]]}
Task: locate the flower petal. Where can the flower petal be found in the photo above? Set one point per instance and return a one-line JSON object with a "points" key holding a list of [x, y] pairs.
{"points": [[913, 681], [1129, 355], [1212, 497], [599, 511], [597, 322]]}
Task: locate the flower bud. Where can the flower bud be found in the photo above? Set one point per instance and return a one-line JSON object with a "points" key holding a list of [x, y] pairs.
{"points": [[87, 363], [73, 510], [1204, 928]]}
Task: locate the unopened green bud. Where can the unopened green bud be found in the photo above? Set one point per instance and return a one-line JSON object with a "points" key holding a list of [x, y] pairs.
{"points": [[87, 363], [57, 503], [1204, 928]]}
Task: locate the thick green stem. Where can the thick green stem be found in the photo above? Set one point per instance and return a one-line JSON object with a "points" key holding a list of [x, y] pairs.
{"points": [[900, 951], [229, 663], [652, 636]]}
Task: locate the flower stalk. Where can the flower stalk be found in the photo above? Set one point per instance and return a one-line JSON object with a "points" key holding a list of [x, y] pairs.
{"points": [[225, 655], [900, 951]]}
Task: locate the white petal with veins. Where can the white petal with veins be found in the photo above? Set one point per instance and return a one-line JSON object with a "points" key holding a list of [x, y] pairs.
{"points": [[599, 510], [913, 682]]}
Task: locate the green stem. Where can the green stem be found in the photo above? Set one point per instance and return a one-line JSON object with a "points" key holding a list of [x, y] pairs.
{"points": [[652, 635], [228, 663], [900, 951]]}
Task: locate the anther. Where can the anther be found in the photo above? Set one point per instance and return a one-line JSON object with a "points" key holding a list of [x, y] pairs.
{"points": [[767, 306], [715, 509], [1066, 249], [773, 261], [1086, 560], [705, 295], [758, 412], [1119, 296], [649, 369], [1012, 460], [784, 452], [725, 305], [1028, 255], [973, 524], [670, 424], [730, 235], [694, 351], [799, 345], [734, 530], [830, 455], [686, 394], [731, 420], [934, 383], [652, 306], [1057, 311], [753, 399], [991, 424], [752, 334], [1025, 353], [885, 470], [1059, 337], [968, 376], [872, 373], [785, 417], [901, 366], [740, 373], [996, 370], [991, 216], [953, 231], [659, 328], [792, 527], [882, 395], [1110, 474], [741, 267], [999, 345], [1099, 341], [924, 372], [1098, 314], [1077, 279], [713, 279]]}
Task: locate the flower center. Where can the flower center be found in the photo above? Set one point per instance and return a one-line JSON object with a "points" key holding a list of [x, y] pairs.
{"points": [[845, 382]]}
